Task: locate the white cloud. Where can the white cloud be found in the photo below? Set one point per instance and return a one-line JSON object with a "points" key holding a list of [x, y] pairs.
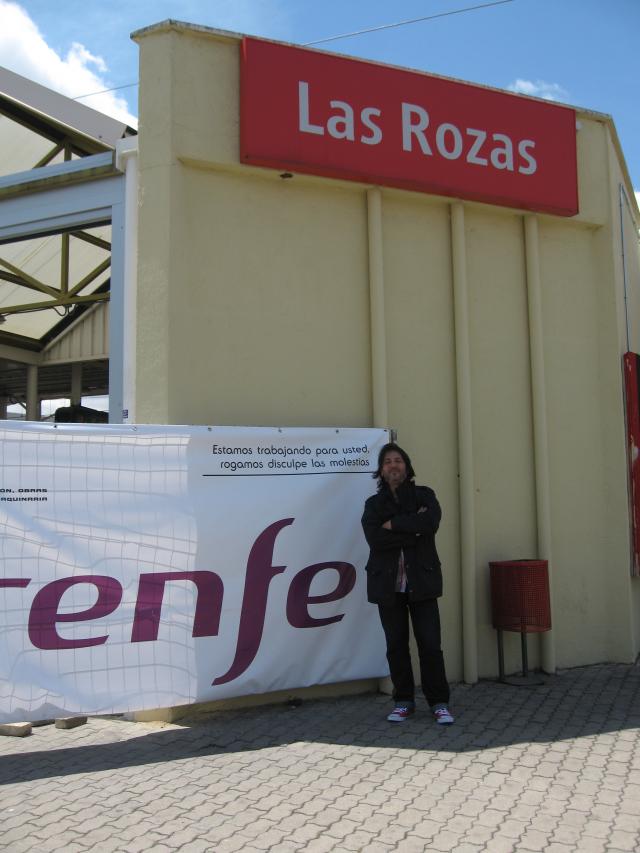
{"points": [[24, 50], [539, 89], [637, 193]]}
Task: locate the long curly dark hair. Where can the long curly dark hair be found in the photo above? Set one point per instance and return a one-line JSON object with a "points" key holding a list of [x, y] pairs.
{"points": [[383, 452]]}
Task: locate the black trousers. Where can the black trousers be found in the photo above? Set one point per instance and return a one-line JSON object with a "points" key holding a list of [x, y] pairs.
{"points": [[425, 619]]}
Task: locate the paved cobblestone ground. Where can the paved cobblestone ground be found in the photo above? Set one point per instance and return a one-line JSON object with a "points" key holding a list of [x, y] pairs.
{"points": [[553, 769]]}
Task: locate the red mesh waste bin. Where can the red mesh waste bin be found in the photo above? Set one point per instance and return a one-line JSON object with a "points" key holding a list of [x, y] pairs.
{"points": [[520, 596], [520, 602]]}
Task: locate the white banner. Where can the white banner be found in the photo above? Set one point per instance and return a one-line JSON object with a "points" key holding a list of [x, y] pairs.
{"points": [[147, 566]]}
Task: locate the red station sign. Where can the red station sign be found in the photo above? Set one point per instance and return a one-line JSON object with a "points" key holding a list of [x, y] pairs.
{"points": [[307, 111]]}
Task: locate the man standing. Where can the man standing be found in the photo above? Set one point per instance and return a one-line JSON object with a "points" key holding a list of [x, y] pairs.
{"points": [[404, 579]]}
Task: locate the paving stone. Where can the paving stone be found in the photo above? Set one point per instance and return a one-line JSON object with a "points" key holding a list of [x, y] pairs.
{"points": [[267, 840], [307, 832], [533, 840], [512, 828], [490, 817], [445, 841], [230, 845], [334, 776], [597, 828], [146, 842], [322, 844], [589, 844], [392, 835], [479, 834], [500, 844], [623, 840], [410, 845]]}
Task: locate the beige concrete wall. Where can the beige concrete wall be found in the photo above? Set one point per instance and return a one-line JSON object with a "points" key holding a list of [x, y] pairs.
{"points": [[254, 309], [587, 463], [502, 417], [624, 248], [281, 311]]}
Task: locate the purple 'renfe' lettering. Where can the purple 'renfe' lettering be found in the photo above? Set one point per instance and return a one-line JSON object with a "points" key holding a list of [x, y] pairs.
{"points": [[44, 611], [299, 598], [17, 582], [44, 614], [260, 573], [206, 621]]}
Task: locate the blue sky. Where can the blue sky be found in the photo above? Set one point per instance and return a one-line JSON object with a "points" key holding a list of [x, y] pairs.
{"points": [[582, 52]]}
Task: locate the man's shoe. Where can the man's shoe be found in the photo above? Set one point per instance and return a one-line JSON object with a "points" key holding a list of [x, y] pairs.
{"points": [[443, 716], [400, 713]]}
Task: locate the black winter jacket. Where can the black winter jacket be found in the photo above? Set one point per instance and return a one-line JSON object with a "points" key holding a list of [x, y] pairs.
{"points": [[413, 532]]}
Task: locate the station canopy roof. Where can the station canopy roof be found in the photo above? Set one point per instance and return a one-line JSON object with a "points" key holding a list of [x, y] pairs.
{"points": [[48, 281]]}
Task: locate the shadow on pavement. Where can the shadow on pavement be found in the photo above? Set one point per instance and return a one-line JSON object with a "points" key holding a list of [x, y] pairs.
{"points": [[575, 703]]}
